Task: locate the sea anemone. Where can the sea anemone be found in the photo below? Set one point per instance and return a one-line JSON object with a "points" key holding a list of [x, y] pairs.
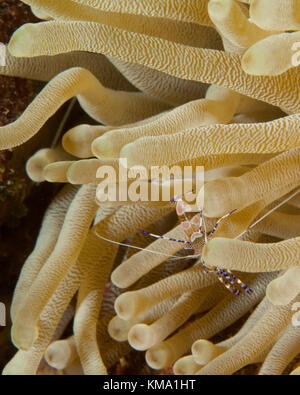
{"points": [[142, 72], [267, 336]]}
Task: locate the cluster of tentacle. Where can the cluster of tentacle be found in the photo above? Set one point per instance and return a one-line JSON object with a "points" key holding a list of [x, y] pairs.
{"points": [[191, 82]]}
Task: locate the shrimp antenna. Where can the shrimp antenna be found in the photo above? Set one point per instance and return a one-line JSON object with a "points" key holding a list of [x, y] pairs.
{"points": [[145, 249], [269, 212]]}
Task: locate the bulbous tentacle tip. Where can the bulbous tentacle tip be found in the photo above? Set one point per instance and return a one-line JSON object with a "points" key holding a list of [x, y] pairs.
{"points": [[250, 63], [67, 142], [212, 249], [203, 351], [23, 336], [102, 147], [185, 366], [256, 7], [115, 278], [159, 356], [260, 59], [218, 8], [36, 164], [118, 329], [58, 354], [259, 13], [39, 12], [273, 294], [284, 289], [128, 305], [56, 172], [82, 171], [21, 43], [141, 337], [129, 152], [217, 198]]}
